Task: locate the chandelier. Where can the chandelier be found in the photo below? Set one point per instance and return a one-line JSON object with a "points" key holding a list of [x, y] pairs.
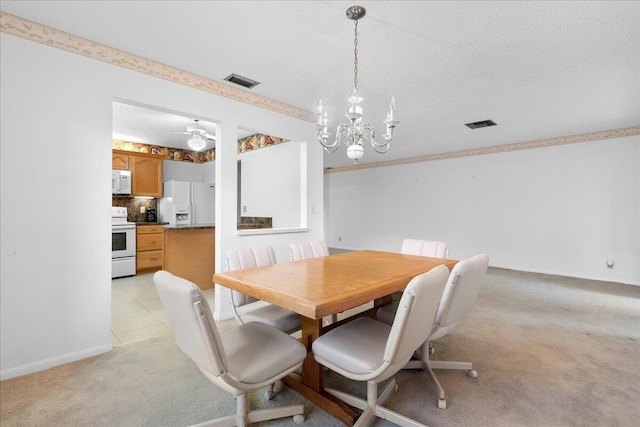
{"points": [[355, 134]]}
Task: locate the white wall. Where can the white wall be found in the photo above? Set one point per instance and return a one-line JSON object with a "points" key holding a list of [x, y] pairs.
{"points": [[558, 210], [56, 115], [209, 172], [271, 184]]}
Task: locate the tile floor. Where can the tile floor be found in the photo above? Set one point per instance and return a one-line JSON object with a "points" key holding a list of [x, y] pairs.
{"points": [[136, 311]]}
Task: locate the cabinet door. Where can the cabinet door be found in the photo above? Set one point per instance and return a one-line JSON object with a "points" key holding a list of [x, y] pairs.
{"points": [[120, 161], [146, 176]]}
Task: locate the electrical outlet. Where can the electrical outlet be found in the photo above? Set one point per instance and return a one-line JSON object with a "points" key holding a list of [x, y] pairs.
{"points": [[312, 210], [339, 239], [143, 209], [610, 263], [244, 208]]}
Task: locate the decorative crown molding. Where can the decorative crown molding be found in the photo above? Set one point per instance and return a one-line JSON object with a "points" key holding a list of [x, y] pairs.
{"points": [[23, 28], [585, 137]]}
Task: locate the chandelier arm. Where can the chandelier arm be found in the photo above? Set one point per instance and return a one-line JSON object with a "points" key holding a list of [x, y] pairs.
{"points": [[380, 148], [343, 133], [369, 132], [331, 148]]}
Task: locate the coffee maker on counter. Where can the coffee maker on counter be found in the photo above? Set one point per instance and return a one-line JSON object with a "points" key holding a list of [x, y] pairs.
{"points": [[151, 215]]}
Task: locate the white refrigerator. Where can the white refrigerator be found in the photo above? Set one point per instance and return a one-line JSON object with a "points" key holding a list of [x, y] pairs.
{"points": [[187, 203]]}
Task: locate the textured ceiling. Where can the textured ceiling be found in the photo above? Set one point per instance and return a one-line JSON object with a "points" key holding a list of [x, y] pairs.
{"points": [[538, 69]]}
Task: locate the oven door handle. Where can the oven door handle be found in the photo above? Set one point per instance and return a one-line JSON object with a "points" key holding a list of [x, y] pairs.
{"points": [[124, 227]]}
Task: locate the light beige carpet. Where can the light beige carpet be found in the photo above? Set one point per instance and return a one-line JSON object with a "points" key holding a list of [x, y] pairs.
{"points": [[550, 351]]}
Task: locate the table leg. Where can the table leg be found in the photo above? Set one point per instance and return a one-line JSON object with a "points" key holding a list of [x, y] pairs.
{"points": [[311, 370], [310, 384]]}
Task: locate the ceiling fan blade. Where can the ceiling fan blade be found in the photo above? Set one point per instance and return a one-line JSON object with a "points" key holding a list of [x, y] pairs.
{"points": [[209, 136]]}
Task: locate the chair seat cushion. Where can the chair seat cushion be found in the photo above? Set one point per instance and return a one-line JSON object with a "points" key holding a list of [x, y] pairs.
{"points": [[356, 347], [280, 318], [387, 313], [257, 352]]}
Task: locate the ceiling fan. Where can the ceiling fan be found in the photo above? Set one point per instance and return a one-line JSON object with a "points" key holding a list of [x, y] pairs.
{"points": [[199, 134]]}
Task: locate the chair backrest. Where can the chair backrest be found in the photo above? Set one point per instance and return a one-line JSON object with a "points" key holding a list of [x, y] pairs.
{"points": [[415, 316], [191, 322], [308, 249], [460, 294], [239, 259], [428, 248]]}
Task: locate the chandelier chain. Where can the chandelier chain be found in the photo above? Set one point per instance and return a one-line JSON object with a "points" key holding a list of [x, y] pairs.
{"points": [[355, 55]]}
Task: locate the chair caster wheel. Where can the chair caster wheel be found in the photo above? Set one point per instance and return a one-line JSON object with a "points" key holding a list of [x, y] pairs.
{"points": [[472, 374], [269, 395], [442, 404], [432, 350], [298, 419]]}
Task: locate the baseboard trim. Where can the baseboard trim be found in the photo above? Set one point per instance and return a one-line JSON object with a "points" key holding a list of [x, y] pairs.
{"points": [[43, 365], [572, 276]]}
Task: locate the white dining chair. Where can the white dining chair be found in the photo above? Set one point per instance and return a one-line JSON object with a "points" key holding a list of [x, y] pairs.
{"points": [[429, 248], [311, 249], [372, 351], [248, 309], [458, 300], [308, 249], [230, 360]]}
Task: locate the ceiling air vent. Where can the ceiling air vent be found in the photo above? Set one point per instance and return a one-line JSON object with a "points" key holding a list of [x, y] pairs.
{"points": [[482, 124], [242, 81]]}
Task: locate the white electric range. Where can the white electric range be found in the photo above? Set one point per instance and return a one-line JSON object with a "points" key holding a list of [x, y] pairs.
{"points": [[123, 244]]}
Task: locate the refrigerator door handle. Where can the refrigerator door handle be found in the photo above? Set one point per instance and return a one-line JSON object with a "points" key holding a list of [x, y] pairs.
{"points": [[192, 204]]}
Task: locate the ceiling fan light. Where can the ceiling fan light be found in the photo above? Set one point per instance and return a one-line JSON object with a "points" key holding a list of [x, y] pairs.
{"points": [[197, 143]]}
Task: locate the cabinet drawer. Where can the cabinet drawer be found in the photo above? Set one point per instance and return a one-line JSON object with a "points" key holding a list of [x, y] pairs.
{"points": [[149, 242], [148, 259], [149, 229]]}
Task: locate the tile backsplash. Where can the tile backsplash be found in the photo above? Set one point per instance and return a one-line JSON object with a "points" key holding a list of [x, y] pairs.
{"points": [[133, 206]]}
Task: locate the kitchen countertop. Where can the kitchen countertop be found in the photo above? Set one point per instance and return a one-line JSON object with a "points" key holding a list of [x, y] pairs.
{"points": [[151, 223], [188, 226], [252, 226]]}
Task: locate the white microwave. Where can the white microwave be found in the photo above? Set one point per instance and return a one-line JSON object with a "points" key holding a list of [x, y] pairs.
{"points": [[120, 182]]}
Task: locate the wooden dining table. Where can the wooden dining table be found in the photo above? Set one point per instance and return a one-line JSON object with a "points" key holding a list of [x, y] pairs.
{"points": [[319, 287]]}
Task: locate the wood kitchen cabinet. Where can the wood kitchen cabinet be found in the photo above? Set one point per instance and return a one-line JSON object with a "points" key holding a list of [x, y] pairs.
{"points": [[146, 175], [189, 252], [148, 247], [146, 172], [120, 161]]}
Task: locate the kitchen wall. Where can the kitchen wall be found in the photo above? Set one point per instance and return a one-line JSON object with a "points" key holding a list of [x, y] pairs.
{"points": [[55, 292], [559, 210]]}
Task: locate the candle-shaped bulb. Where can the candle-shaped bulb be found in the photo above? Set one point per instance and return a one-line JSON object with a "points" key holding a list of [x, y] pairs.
{"points": [[354, 98], [392, 107], [324, 119], [320, 111]]}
